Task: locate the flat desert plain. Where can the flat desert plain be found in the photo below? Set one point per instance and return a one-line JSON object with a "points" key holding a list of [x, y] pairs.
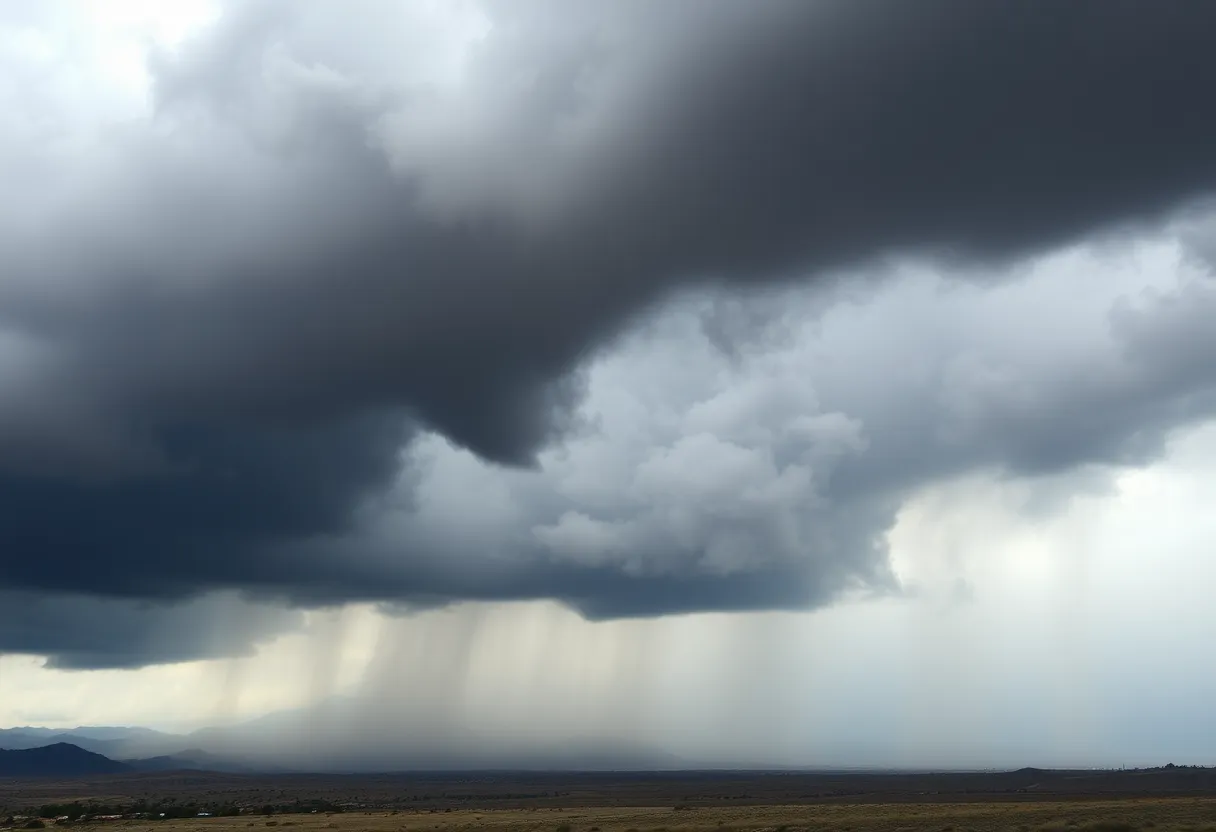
{"points": [[1180, 814]]}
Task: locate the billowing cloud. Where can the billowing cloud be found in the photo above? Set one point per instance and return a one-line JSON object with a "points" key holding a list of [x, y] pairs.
{"points": [[364, 305]]}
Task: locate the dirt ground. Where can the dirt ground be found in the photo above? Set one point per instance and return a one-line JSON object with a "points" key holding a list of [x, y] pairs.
{"points": [[1124, 815]]}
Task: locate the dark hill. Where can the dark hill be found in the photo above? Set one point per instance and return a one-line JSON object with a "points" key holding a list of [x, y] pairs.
{"points": [[59, 760], [192, 759]]}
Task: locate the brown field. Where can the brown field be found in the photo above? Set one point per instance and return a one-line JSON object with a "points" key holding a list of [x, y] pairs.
{"points": [[1125, 815], [1028, 800]]}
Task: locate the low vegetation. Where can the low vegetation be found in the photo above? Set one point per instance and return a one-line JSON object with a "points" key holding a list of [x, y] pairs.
{"points": [[1127, 815]]}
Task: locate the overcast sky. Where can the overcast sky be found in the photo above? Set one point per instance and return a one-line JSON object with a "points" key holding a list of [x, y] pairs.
{"points": [[811, 382]]}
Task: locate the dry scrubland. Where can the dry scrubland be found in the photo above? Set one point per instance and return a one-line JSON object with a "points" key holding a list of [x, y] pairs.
{"points": [[1127, 815]]}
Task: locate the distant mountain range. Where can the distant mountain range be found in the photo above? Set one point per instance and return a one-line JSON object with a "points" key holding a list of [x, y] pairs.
{"points": [[334, 737], [112, 742]]}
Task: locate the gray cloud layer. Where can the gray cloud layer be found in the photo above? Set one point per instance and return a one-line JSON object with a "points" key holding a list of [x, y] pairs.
{"points": [[82, 631], [219, 328]]}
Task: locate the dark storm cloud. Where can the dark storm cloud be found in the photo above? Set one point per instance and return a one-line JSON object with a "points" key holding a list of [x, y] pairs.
{"points": [[82, 632], [227, 492], [228, 321]]}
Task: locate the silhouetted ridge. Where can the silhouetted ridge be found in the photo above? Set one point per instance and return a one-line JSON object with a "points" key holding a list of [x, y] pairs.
{"points": [[58, 760]]}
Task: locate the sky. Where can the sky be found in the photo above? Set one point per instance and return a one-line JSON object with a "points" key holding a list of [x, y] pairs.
{"points": [[816, 383]]}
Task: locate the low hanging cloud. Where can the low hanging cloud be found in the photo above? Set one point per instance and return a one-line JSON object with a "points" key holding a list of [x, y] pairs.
{"points": [[365, 307], [81, 632]]}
